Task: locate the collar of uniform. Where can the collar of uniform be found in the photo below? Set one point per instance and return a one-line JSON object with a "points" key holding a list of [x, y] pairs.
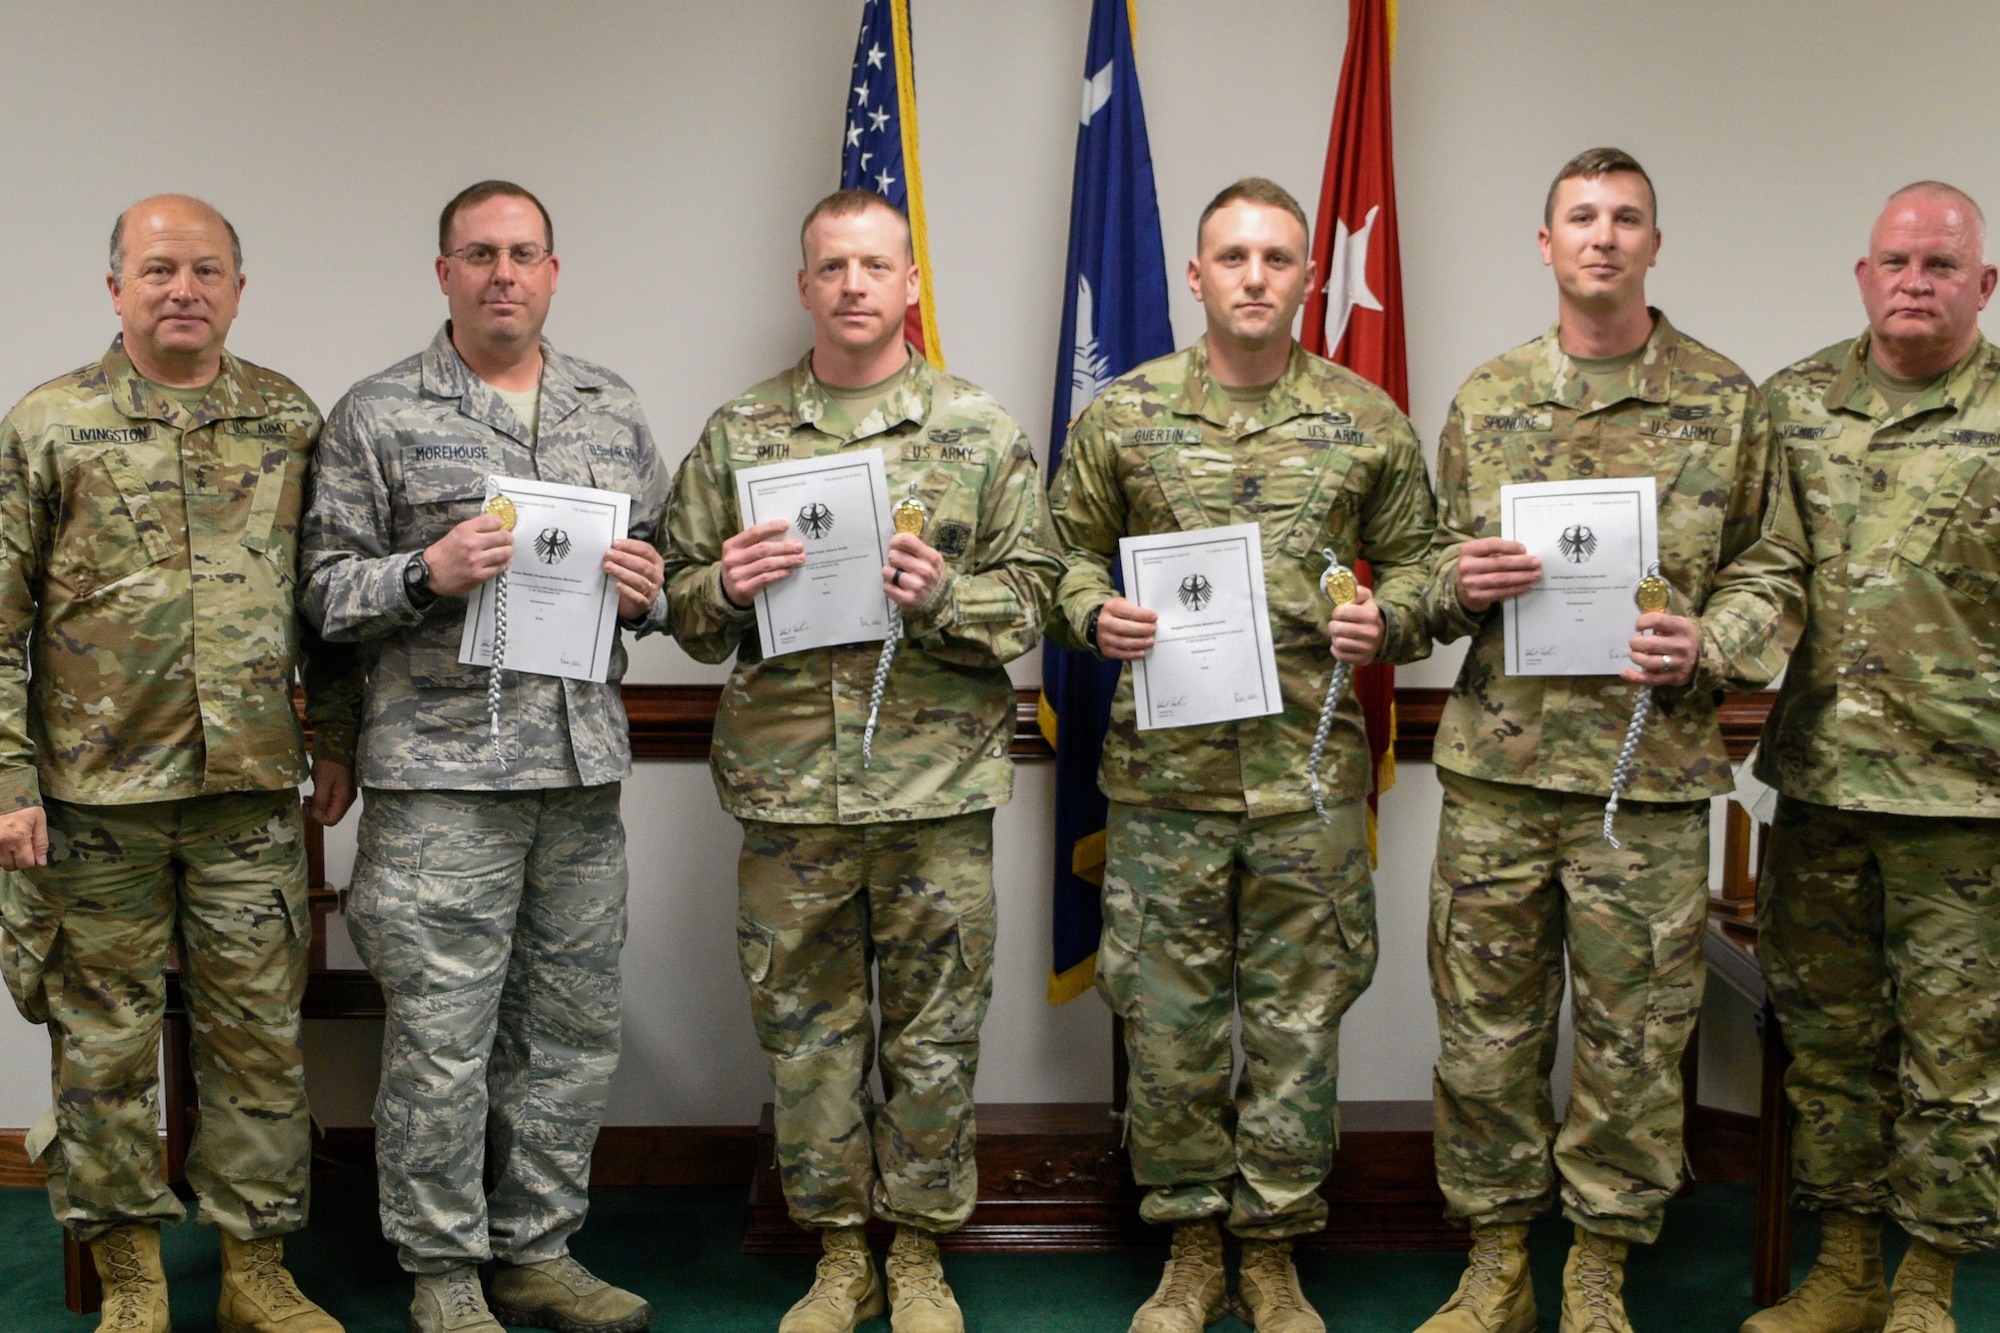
{"points": [[1556, 379], [1293, 395], [1853, 391], [564, 382], [909, 401], [232, 396]]}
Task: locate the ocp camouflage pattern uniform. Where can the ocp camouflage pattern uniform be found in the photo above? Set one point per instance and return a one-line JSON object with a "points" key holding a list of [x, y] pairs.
{"points": [[1523, 871], [843, 864], [489, 894], [148, 648], [1881, 911], [1222, 886]]}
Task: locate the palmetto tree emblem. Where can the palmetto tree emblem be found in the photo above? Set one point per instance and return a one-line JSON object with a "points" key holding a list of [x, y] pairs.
{"points": [[815, 520], [1196, 592], [1577, 543]]}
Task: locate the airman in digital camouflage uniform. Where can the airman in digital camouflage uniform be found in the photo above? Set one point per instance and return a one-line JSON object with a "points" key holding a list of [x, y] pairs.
{"points": [[149, 517], [1881, 912], [489, 892], [891, 862], [1524, 874], [1223, 887]]}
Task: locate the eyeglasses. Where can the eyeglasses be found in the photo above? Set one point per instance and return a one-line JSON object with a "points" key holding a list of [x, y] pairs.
{"points": [[480, 255]]}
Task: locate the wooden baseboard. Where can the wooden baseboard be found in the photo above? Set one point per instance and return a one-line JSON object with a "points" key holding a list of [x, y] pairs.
{"points": [[1051, 1176]]}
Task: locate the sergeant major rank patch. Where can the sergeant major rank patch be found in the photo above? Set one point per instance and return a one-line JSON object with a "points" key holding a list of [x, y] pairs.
{"points": [[951, 538]]}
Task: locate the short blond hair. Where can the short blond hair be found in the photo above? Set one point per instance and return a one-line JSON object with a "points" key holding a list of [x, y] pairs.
{"points": [[1252, 190]]}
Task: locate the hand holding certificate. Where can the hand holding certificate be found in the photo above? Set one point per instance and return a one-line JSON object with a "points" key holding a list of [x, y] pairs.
{"points": [[561, 608], [1212, 658], [838, 507], [1596, 540]]}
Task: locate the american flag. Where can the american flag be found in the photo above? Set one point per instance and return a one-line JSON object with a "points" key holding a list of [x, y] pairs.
{"points": [[878, 149]]}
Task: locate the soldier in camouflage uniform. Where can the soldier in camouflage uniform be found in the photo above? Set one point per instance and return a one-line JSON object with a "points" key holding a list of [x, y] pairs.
{"points": [[1222, 885], [891, 863], [1881, 911], [149, 516], [1524, 874], [489, 892]]}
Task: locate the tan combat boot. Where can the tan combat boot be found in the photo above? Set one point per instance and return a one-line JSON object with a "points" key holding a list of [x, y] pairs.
{"points": [[1844, 1293], [135, 1287], [1594, 1286], [1191, 1293], [562, 1294], [1496, 1294], [845, 1292], [451, 1302], [1920, 1302], [919, 1299], [1268, 1286], [259, 1296]]}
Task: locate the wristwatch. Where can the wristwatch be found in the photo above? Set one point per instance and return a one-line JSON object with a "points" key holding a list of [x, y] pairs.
{"points": [[1090, 629], [417, 581]]}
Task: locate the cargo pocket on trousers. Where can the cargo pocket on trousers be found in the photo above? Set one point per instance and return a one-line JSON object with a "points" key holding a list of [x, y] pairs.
{"points": [[27, 938], [1674, 997], [415, 1141], [1118, 947]]}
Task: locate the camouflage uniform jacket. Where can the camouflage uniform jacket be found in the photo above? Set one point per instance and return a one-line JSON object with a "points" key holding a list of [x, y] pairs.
{"points": [[787, 743], [1326, 461], [1893, 702], [1696, 423], [148, 555], [404, 461]]}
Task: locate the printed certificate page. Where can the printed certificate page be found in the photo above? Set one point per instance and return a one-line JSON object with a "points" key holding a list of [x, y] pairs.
{"points": [[1212, 658], [838, 505], [562, 608], [1596, 540]]}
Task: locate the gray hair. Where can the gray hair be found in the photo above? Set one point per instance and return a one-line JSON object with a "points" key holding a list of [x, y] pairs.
{"points": [[118, 239]]}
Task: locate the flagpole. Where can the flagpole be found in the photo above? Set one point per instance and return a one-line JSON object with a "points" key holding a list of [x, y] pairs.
{"points": [[920, 239]]}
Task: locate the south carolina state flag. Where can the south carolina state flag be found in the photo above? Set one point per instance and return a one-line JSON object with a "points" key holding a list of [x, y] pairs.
{"points": [[1356, 315], [1114, 318]]}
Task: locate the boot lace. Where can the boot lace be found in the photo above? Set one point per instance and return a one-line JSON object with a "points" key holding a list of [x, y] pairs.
{"points": [[919, 1276], [1186, 1265], [1594, 1275], [461, 1297], [128, 1294], [565, 1269], [1277, 1280], [264, 1274], [840, 1267], [1485, 1273]]}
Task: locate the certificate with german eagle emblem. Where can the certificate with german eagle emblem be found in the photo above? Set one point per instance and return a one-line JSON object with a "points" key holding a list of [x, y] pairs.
{"points": [[837, 505], [1596, 540], [1212, 658]]}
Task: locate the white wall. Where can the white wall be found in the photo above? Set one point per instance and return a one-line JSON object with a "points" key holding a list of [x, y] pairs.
{"points": [[678, 143]]}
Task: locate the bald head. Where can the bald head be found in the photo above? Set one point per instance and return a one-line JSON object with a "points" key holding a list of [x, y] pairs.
{"points": [[173, 210], [1925, 279], [1938, 198]]}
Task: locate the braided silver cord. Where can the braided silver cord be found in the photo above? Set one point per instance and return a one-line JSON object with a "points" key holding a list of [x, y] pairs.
{"points": [[881, 685], [1622, 774], [499, 656], [1334, 689]]}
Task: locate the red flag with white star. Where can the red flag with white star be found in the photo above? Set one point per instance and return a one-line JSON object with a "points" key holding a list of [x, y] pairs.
{"points": [[1355, 315]]}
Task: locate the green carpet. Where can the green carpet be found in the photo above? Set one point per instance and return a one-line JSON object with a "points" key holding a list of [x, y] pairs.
{"points": [[678, 1247]]}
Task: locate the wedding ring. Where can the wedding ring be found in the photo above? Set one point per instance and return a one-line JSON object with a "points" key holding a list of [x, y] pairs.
{"points": [[1666, 662], [897, 578]]}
